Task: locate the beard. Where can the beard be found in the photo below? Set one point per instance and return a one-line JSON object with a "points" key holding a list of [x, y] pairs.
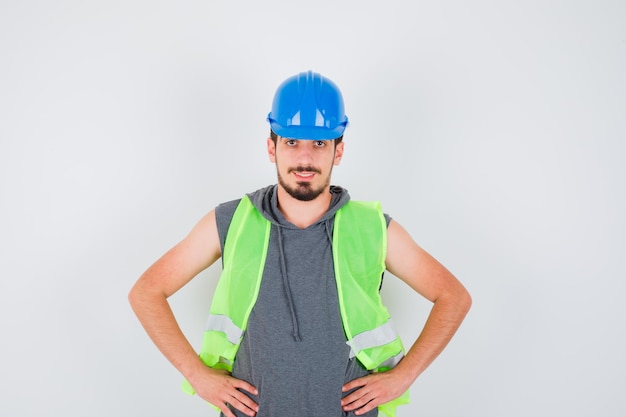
{"points": [[303, 190]]}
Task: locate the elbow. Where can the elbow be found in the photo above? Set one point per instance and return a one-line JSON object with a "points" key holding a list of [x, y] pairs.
{"points": [[458, 299], [137, 294], [133, 296], [464, 301], [468, 302], [143, 293]]}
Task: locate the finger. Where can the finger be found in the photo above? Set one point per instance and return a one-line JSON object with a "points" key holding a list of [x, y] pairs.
{"points": [[235, 403], [356, 399], [349, 399], [244, 409], [244, 385], [244, 403], [226, 411], [355, 383], [355, 395], [361, 406], [368, 407]]}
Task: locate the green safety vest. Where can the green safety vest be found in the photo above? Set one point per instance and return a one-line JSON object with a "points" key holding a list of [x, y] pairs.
{"points": [[359, 247]]}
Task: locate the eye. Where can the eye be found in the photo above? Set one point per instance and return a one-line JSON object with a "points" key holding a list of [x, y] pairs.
{"points": [[290, 142], [320, 143]]}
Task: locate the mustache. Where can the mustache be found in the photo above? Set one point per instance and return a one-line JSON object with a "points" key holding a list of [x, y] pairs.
{"points": [[304, 169]]}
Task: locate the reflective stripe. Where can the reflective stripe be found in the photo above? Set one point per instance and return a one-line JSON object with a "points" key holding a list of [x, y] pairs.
{"points": [[376, 337], [393, 361], [225, 361], [223, 323]]}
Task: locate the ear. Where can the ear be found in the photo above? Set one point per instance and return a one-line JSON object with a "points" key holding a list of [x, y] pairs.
{"points": [[338, 153], [271, 150]]}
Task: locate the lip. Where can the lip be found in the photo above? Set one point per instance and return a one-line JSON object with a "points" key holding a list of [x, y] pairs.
{"points": [[304, 176]]}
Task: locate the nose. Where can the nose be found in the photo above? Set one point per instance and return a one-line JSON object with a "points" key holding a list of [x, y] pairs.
{"points": [[305, 154]]}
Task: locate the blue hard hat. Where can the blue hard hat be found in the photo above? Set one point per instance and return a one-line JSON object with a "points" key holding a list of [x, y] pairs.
{"points": [[308, 106]]}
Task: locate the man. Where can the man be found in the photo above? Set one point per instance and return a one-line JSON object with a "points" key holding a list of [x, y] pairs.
{"points": [[296, 325]]}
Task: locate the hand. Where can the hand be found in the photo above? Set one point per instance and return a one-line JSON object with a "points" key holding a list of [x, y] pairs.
{"points": [[372, 390], [221, 389]]}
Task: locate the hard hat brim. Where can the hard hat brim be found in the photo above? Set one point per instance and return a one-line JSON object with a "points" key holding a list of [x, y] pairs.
{"points": [[308, 132]]}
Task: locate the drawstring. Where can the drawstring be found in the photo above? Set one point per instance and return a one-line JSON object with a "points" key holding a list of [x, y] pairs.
{"points": [[283, 271]]}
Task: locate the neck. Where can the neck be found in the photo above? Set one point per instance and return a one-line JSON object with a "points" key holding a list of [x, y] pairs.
{"points": [[303, 213]]}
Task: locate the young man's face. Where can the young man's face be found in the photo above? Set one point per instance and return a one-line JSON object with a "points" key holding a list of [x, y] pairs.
{"points": [[304, 166]]}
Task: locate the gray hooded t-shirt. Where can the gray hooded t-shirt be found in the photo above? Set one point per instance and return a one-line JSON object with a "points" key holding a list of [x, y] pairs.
{"points": [[294, 350]]}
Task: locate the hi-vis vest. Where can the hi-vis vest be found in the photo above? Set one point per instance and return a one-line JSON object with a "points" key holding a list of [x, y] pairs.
{"points": [[359, 248]]}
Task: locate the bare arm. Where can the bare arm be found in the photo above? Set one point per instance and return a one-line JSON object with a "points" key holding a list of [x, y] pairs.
{"points": [[451, 302], [148, 298]]}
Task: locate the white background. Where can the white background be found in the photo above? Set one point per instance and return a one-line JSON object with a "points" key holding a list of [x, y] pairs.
{"points": [[494, 131]]}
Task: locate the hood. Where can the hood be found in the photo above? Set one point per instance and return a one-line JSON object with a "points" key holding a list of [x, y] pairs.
{"points": [[266, 201]]}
